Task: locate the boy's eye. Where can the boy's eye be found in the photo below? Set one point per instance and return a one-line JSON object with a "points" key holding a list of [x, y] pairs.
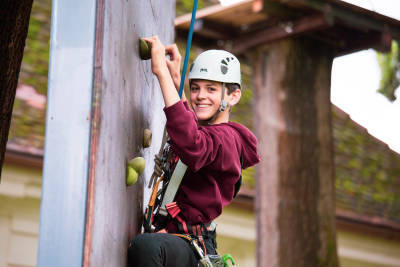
{"points": [[194, 88], [212, 89]]}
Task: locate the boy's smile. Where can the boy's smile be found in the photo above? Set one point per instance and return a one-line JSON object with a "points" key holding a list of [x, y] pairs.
{"points": [[205, 97]]}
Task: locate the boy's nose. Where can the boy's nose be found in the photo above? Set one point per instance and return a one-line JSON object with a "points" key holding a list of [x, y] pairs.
{"points": [[201, 94]]}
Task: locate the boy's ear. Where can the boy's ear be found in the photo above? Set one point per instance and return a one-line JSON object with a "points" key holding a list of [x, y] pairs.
{"points": [[234, 97]]}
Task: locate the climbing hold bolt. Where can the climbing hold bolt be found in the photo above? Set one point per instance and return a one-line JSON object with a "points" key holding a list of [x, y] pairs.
{"points": [[144, 49], [147, 138]]}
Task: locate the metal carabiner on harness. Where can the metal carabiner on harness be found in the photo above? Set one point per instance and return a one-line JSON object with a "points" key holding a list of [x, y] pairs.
{"points": [[204, 260]]}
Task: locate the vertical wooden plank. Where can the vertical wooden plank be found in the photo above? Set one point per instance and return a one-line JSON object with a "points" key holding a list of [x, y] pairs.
{"points": [[295, 178], [127, 99], [94, 129], [68, 120]]}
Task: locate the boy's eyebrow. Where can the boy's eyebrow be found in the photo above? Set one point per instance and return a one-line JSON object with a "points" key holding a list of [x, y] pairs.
{"points": [[207, 84]]}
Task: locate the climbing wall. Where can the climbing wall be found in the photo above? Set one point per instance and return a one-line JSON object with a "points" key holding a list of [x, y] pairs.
{"points": [[126, 100]]}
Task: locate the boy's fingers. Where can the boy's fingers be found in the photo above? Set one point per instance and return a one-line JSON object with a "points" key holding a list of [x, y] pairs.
{"points": [[152, 40], [173, 51], [172, 48], [147, 40]]}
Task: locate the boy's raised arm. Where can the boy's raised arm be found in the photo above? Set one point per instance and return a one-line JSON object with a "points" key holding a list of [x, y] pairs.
{"points": [[174, 66], [160, 68]]}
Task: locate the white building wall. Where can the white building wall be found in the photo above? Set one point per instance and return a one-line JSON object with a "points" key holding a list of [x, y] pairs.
{"points": [[19, 216], [20, 192], [237, 236]]}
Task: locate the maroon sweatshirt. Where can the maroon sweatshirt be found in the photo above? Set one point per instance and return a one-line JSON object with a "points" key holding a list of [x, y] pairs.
{"points": [[212, 154]]}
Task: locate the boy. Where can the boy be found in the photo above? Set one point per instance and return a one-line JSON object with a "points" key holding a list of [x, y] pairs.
{"points": [[214, 149]]}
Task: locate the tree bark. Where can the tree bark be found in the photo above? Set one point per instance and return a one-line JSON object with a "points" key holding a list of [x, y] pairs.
{"points": [[14, 22], [295, 178]]}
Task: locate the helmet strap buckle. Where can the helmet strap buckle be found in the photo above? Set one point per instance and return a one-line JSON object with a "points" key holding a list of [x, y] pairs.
{"points": [[223, 105]]}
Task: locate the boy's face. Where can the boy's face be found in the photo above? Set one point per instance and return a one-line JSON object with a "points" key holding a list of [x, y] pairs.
{"points": [[205, 97]]}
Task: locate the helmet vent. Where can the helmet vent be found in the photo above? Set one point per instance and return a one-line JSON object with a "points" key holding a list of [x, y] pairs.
{"points": [[224, 69], [224, 62], [191, 67]]}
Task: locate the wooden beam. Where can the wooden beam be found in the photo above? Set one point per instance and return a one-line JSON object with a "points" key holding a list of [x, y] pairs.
{"points": [[215, 10], [280, 10], [214, 29], [290, 29], [199, 40], [20, 156], [379, 41], [257, 5], [351, 15]]}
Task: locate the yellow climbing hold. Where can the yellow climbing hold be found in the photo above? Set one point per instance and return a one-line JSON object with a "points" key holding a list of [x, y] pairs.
{"points": [[131, 176], [138, 164]]}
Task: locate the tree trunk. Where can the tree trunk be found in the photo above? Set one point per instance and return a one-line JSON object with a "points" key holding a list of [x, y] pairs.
{"points": [[14, 21], [295, 178]]}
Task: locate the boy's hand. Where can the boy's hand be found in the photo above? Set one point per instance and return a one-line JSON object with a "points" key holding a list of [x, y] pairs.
{"points": [[158, 59], [174, 63], [160, 69]]}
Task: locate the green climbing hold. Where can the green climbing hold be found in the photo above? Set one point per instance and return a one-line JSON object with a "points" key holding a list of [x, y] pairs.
{"points": [[227, 257], [138, 164], [144, 49], [131, 176]]}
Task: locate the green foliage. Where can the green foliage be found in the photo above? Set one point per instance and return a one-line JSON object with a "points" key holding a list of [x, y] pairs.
{"points": [[35, 61], [390, 72], [243, 111], [27, 123], [248, 177], [185, 6]]}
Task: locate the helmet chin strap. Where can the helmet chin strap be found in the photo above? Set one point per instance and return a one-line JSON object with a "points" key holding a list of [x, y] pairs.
{"points": [[223, 105]]}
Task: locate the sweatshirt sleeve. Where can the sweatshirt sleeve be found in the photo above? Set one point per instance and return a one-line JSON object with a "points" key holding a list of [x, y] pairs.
{"points": [[195, 146]]}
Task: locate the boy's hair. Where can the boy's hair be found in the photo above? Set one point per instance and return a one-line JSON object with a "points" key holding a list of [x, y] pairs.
{"points": [[232, 87]]}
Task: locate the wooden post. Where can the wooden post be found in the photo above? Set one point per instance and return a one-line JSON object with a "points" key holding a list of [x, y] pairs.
{"points": [[14, 21], [294, 202]]}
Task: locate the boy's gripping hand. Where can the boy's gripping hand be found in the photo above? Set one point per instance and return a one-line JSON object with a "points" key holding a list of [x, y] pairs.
{"points": [[174, 66], [158, 58], [160, 69], [174, 63]]}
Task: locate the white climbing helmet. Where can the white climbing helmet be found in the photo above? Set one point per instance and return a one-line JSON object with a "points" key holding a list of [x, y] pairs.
{"points": [[216, 65]]}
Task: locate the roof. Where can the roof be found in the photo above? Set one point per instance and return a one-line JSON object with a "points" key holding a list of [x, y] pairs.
{"points": [[367, 172], [239, 27]]}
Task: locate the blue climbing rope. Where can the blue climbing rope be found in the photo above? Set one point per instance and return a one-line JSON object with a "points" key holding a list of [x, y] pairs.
{"points": [[188, 45]]}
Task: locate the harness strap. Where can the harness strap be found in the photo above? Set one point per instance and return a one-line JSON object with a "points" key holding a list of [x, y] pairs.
{"points": [[197, 230], [173, 209], [173, 186], [183, 223]]}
